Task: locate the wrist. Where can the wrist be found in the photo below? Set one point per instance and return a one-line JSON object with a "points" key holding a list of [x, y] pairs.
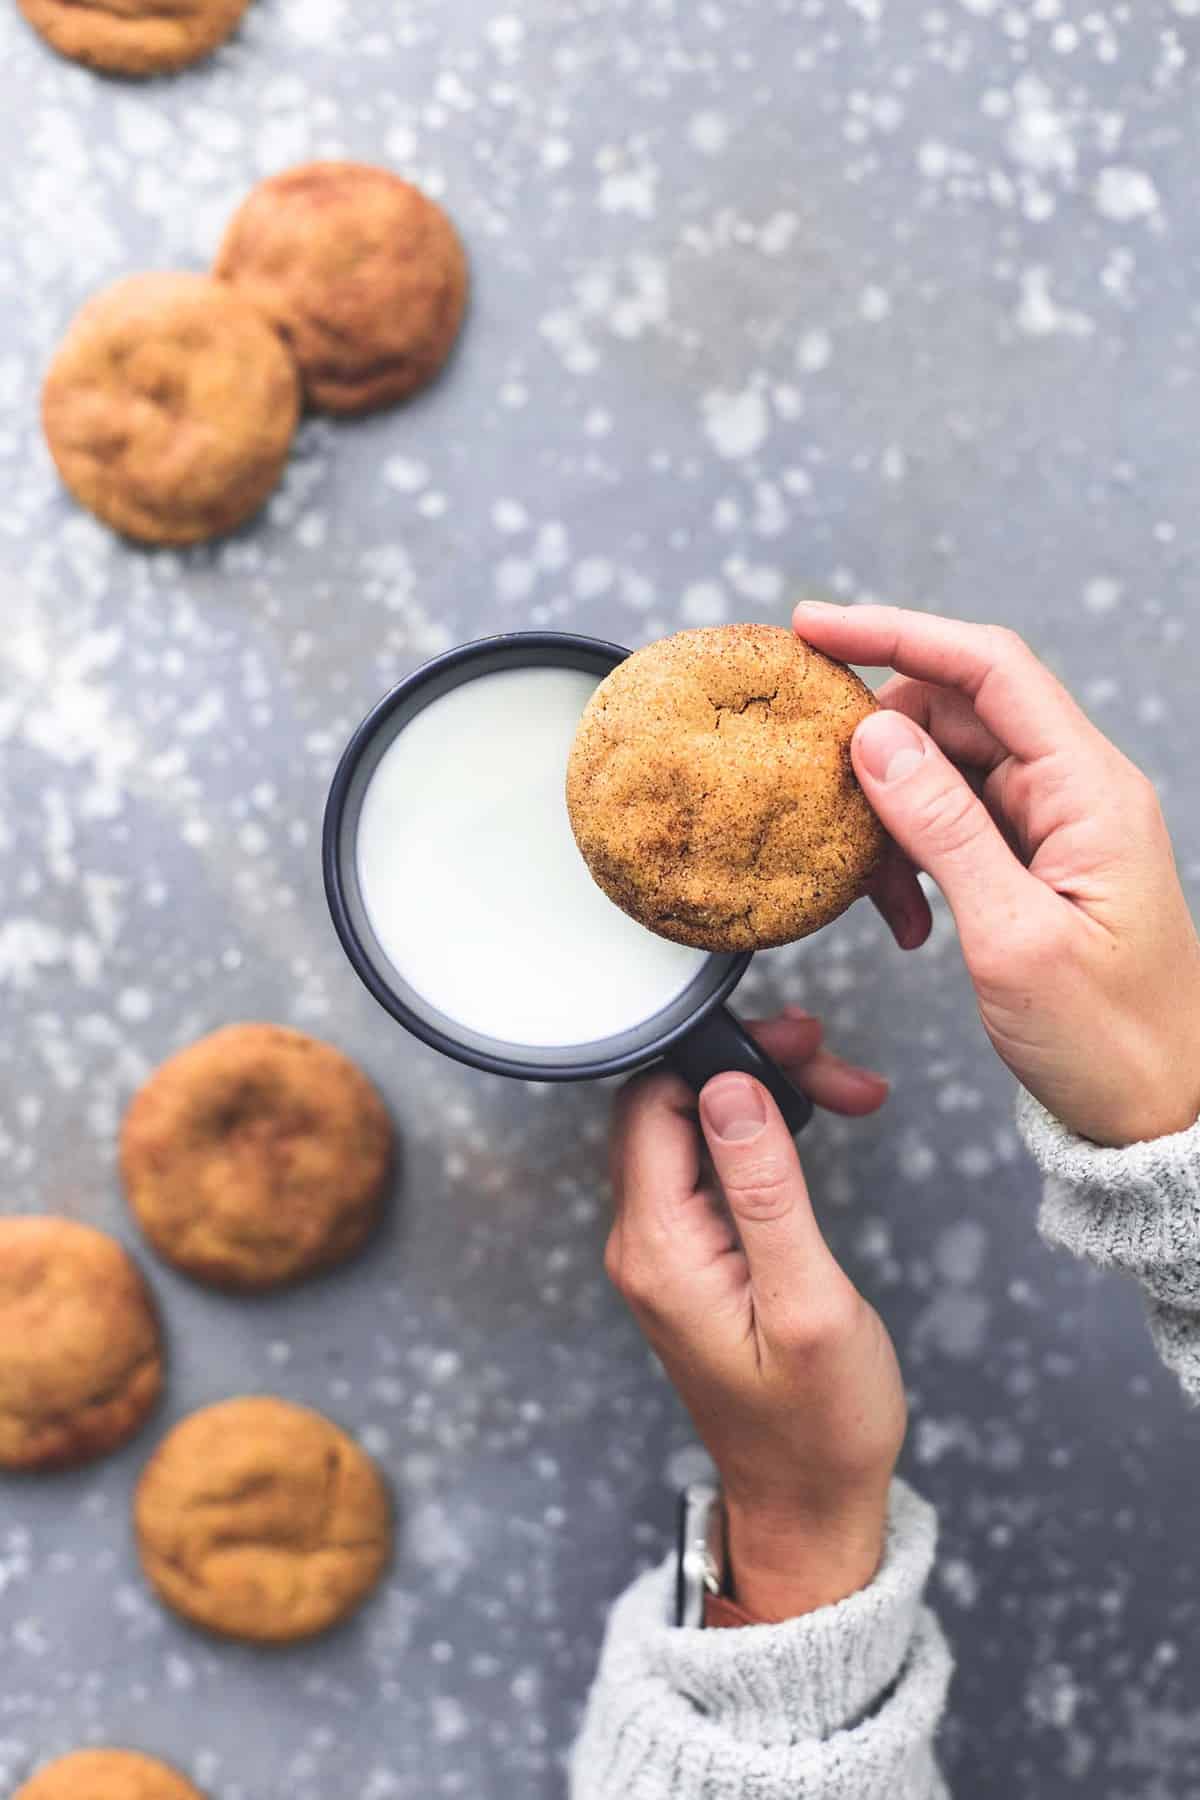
{"points": [[780, 1567], [1141, 1110]]}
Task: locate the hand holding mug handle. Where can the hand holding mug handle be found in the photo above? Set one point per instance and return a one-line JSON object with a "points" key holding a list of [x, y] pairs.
{"points": [[787, 1055], [721, 1045]]}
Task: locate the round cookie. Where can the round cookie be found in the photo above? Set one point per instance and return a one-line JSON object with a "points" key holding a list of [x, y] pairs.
{"points": [[107, 1775], [256, 1156], [134, 37], [170, 407], [363, 275], [261, 1520], [81, 1358], [711, 791]]}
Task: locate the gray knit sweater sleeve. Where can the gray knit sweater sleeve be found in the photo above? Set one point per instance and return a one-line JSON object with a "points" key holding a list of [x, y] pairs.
{"points": [[839, 1705], [1136, 1209]]}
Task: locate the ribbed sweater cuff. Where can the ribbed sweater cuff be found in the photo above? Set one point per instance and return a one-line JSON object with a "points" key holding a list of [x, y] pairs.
{"points": [[809, 1677], [839, 1705], [1136, 1208]]}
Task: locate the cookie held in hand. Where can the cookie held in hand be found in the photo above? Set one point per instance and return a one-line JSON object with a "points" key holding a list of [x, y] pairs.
{"points": [[107, 1775], [363, 276], [261, 1520], [170, 407], [134, 37], [81, 1357], [711, 790], [256, 1156]]}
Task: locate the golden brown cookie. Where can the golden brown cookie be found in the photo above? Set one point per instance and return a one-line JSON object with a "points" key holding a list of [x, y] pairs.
{"points": [[134, 37], [261, 1520], [256, 1157], [81, 1358], [107, 1775], [361, 273], [711, 791], [170, 407]]}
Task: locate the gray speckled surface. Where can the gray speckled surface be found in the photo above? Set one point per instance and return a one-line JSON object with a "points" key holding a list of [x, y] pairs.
{"points": [[878, 296]]}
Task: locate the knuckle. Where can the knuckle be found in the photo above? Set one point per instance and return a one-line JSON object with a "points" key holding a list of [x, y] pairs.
{"points": [[1046, 942], [1007, 644], [759, 1188], [949, 820], [635, 1283], [1028, 953], [1143, 801], [826, 1325]]}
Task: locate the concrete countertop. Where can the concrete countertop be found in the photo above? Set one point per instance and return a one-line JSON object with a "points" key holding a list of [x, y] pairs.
{"points": [[876, 297]]}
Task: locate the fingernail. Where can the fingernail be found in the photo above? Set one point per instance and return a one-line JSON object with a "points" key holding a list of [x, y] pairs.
{"points": [[865, 1077], [733, 1108], [871, 1078], [890, 745], [817, 606]]}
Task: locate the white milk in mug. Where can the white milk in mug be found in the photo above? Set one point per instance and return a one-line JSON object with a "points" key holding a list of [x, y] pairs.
{"points": [[474, 886]]}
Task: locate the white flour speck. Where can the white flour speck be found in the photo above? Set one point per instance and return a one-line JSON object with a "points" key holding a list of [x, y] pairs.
{"points": [[506, 32], [691, 1463], [1039, 314], [629, 190], [509, 516], [955, 1322], [515, 579], [1124, 194], [814, 351], [736, 424], [776, 235], [754, 581], [960, 1251], [593, 577], [1039, 138], [703, 603], [401, 144], [1102, 594], [874, 304], [406, 474], [915, 1158], [315, 21], [708, 132]]}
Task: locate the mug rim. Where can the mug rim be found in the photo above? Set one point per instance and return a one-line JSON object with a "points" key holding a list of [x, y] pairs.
{"points": [[361, 739]]}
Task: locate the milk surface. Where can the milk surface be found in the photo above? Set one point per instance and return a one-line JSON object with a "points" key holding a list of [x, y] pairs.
{"points": [[473, 882]]}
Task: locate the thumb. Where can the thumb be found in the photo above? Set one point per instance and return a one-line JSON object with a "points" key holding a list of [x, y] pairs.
{"points": [[939, 821], [757, 1166]]}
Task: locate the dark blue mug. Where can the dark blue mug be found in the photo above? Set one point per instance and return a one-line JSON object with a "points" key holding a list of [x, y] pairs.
{"points": [[695, 1034]]}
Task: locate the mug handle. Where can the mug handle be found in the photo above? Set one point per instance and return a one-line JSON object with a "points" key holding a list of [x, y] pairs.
{"points": [[719, 1044]]}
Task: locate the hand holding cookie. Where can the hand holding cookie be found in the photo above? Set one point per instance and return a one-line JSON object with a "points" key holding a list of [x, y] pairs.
{"points": [[1058, 871]]}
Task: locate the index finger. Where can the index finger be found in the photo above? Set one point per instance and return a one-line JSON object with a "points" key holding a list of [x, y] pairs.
{"points": [[667, 1235], [655, 1143], [1022, 704]]}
